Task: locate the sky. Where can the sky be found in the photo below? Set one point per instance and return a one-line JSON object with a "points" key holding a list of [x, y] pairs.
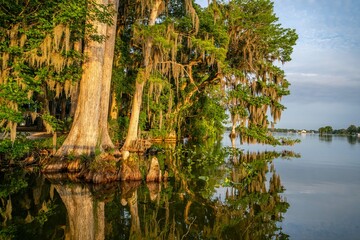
{"points": [[325, 69]]}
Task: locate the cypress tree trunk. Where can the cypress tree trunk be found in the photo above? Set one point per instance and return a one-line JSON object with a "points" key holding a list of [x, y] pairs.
{"points": [[132, 134], [106, 142], [89, 129]]}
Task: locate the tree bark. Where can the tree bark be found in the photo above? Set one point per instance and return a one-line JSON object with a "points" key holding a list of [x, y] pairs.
{"points": [[132, 134], [89, 129], [114, 109], [106, 142]]}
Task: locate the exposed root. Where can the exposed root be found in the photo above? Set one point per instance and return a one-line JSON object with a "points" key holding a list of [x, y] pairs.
{"points": [[104, 176], [54, 165], [130, 172], [154, 174], [103, 169], [75, 166], [29, 160]]}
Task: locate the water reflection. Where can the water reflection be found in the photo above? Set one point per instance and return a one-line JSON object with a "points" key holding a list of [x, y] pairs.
{"points": [[28, 206], [350, 139], [326, 137], [353, 140], [258, 203], [86, 217], [189, 206]]}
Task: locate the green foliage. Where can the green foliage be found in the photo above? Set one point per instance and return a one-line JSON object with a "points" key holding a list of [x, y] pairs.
{"points": [[11, 184], [99, 165], [8, 232], [200, 165], [208, 47], [12, 92], [351, 130], [255, 83], [288, 141], [47, 143], [37, 71], [239, 42], [257, 133], [17, 150], [56, 124], [206, 117], [326, 130]]}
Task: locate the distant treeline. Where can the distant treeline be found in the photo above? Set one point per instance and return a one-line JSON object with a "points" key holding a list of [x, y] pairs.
{"points": [[287, 130], [284, 130], [351, 130]]}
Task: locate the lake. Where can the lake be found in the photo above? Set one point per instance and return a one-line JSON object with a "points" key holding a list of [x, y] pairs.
{"points": [[213, 193], [322, 187]]}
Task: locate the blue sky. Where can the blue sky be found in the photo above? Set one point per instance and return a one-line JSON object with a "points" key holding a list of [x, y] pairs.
{"points": [[325, 69]]}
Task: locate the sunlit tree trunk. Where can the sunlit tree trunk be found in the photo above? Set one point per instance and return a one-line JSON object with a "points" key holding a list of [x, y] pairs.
{"points": [[74, 99], [132, 134], [89, 129], [106, 142], [114, 107]]}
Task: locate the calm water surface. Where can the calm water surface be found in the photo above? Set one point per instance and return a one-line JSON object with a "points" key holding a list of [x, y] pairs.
{"points": [[262, 196], [322, 187]]}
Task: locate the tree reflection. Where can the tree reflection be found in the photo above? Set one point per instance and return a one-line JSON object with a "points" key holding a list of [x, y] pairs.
{"points": [[353, 140], [86, 217], [326, 137], [129, 197], [212, 193], [253, 205], [28, 207], [191, 209]]}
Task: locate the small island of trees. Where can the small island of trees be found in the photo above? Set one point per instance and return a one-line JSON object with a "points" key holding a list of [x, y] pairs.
{"points": [[351, 130]]}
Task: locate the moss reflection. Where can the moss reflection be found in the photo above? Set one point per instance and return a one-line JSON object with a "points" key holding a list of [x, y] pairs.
{"points": [[212, 193], [29, 208]]}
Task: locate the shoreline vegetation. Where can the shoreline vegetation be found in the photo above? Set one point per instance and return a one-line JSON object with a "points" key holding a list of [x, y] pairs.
{"points": [[36, 149], [104, 78], [352, 130]]}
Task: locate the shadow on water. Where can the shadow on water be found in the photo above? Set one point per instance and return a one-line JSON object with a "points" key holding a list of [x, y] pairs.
{"points": [[212, 193]]}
